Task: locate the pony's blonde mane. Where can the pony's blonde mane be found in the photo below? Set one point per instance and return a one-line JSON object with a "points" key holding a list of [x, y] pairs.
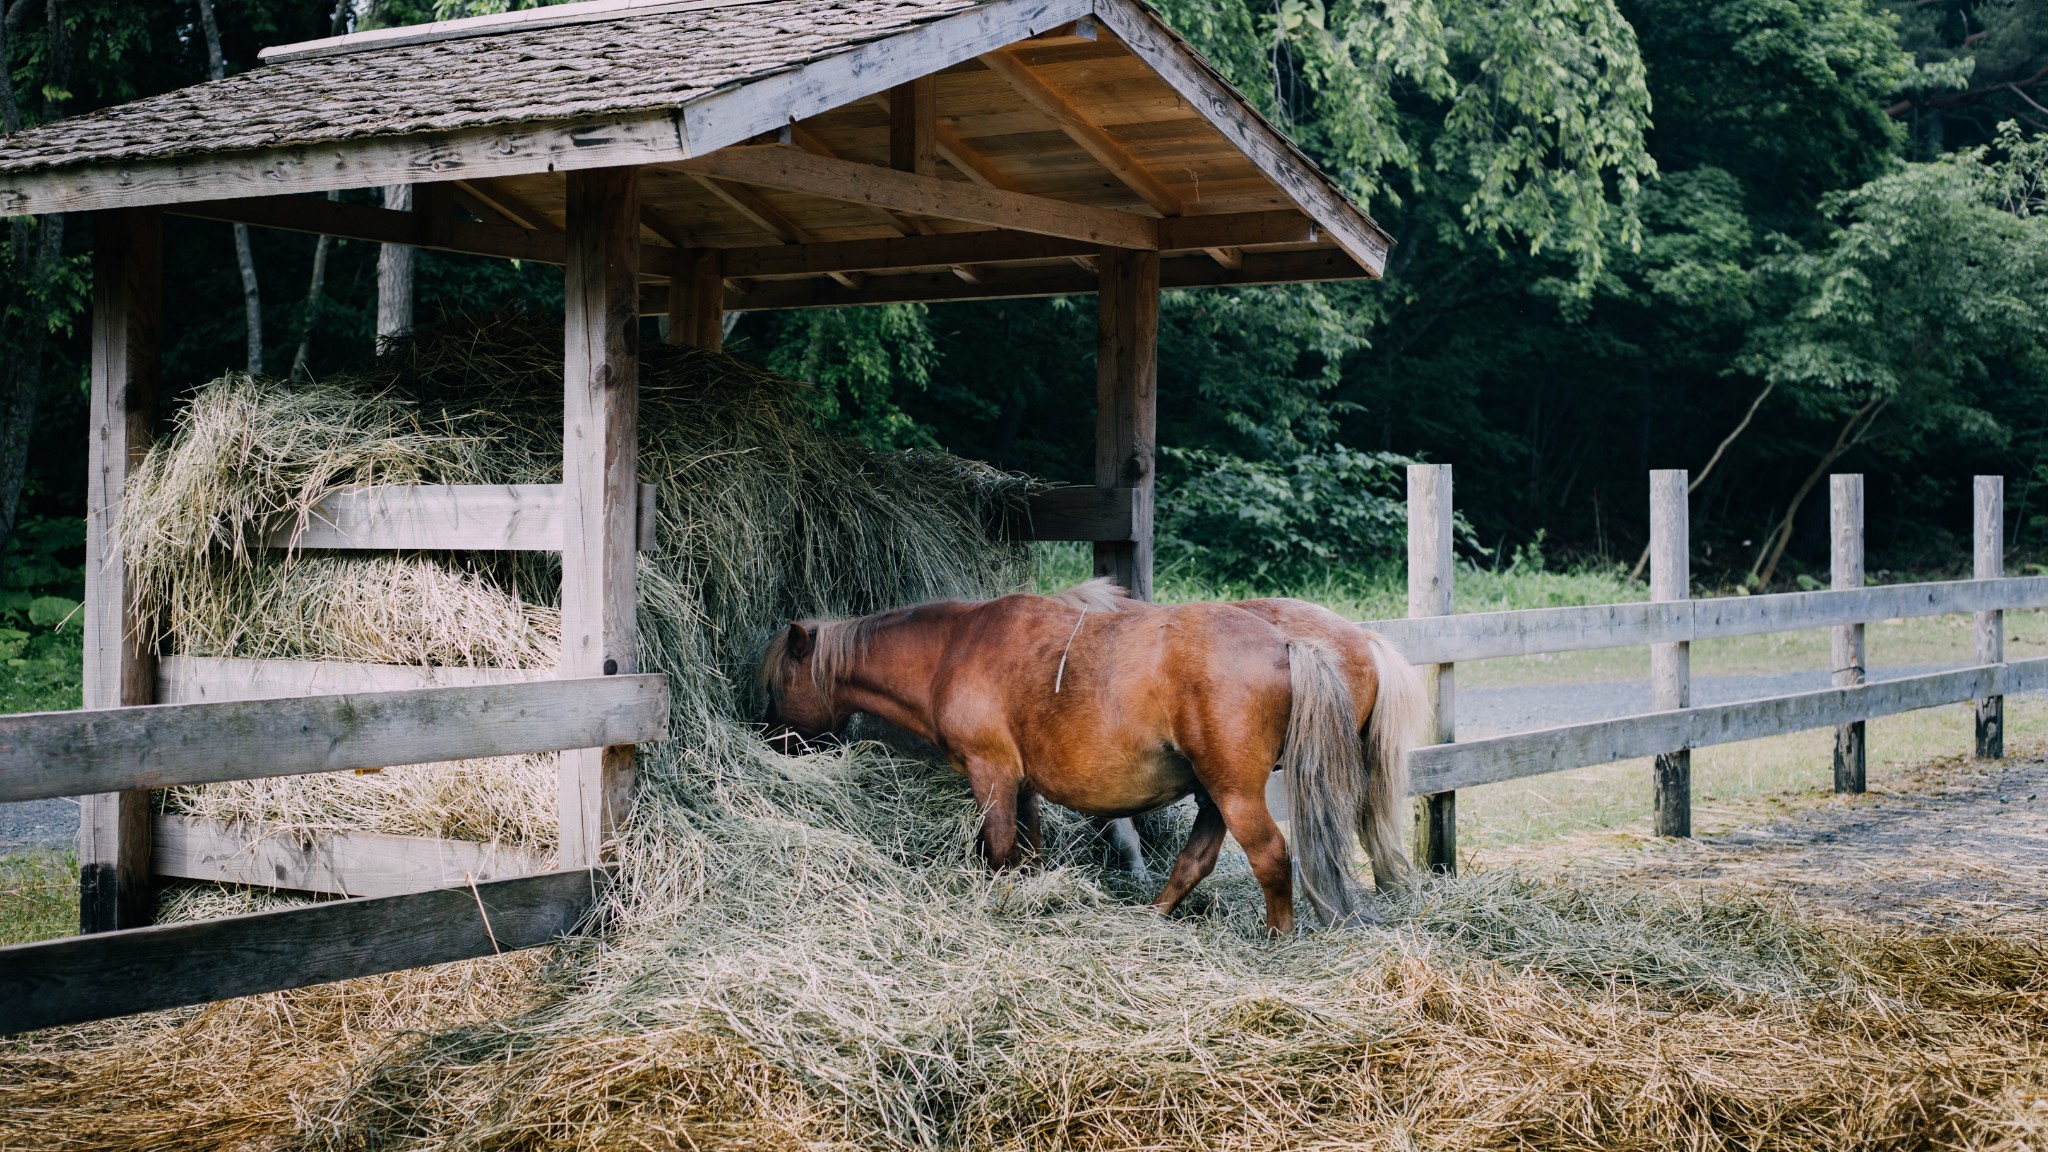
{"points": [[1098, 595]]}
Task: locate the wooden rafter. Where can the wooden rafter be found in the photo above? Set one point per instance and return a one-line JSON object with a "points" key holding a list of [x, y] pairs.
{"points": [[1106, 149], [751, 205]]}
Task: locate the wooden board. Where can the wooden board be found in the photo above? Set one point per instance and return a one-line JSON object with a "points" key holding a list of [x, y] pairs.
{"points": [[446, 517], [83, 978], [1446, 766], [321, 216], [1080, 512], [1127, 406], [48, 754], [1489, 635], [200, 679], [330, 863]]}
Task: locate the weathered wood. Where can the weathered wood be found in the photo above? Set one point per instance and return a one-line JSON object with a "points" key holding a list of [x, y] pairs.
{"points": [[1671, 664], [914, 126], [321, 216], [1845, 571], [1127, 407], [214, 679], [1491, 635], [336, 863], [696, 302], [1079, 512], [1430, 570], [1492, 760], [1269, 150], [47, 754], [441, 517], [791, 170], [113, 829], [600, 462], [528, 20], [1106, 149], [1319, 264], [1988, 563], [83, 978]]}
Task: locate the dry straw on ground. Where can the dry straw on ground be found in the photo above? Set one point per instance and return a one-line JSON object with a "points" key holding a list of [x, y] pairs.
{"points": [[805, 953]]}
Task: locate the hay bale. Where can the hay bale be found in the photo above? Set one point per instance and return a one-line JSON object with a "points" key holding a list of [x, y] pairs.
{"points": [[806, 951]]}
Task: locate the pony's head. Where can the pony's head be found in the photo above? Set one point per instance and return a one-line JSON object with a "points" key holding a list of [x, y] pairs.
{"points": [[794, 680]]}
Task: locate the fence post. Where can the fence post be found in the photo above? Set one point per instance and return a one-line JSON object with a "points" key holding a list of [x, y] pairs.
{"points": [[1845, 533], [1429, 594], [1990, 565], [1671, 664]]}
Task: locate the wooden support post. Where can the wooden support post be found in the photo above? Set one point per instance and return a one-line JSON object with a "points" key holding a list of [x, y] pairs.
{"points": [[1671, 664], [914, 126], [120, 662], [1429, 594], [1989, 564], [1126, 406], [600, 481], [1845, 531], [696, 301]]}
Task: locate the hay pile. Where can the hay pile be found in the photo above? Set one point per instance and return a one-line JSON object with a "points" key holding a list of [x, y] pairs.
{"points": [[806, 953]]}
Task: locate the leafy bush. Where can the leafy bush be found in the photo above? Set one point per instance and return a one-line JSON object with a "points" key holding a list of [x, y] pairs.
{"points": [[41, 633], [1281, 521]]}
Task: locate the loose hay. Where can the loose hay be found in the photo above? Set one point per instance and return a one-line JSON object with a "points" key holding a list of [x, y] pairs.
{"points": [[806, 953]]}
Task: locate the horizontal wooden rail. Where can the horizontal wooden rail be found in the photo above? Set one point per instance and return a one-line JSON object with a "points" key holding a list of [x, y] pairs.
{"points": [[199, 679], [47, 754], [1080, 512], [1489, 635], [446, 518], [350, 863], [1444, 767], [109, 974]]}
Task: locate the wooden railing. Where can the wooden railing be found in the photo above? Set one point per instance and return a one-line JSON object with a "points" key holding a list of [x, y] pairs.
{"points": [[1670, 623]]}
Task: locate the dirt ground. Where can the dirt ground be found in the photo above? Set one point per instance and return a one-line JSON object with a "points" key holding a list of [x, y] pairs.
{"points": [[1952, 843]]}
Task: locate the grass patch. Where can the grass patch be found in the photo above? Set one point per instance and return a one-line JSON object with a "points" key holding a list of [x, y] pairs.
{"points": [[38, 895]]}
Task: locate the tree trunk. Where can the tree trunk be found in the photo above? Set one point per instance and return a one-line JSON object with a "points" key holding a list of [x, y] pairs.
{"points": [[1694, 484], [1851, 434], [394, 275], [314, 291], [252, 296]]}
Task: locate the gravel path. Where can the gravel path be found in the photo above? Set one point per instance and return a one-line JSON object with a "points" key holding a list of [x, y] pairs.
{"points": [[1481, 712]]}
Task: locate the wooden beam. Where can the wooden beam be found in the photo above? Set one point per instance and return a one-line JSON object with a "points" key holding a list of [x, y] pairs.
{"points": [[1671, 664], [1000, 282], [502, 205], [1079, 512], [379, 225], [913, 126], [1126, 406], [345, 863], [1297, 177], [445, 517], [203, 679], [794, 171], [49, 754], [127, 312], [1489, 761], [1432, 572], [955, 149], [600, 480], [1106, 149], [71, 981]]}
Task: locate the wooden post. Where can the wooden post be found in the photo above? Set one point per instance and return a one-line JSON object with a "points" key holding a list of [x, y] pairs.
{"points": [[1126, 406], [1845, 530], [120, 662], [696, 301], [600, 482], [1429, 594], [1671, 664], [914, 126], [1989, 564]]}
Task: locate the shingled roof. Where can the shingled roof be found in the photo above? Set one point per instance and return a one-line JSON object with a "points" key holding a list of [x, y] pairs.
{"points": [[763, 132]]}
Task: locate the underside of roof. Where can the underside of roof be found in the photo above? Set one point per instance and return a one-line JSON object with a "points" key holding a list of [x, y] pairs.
{"points": [[781, 135]]}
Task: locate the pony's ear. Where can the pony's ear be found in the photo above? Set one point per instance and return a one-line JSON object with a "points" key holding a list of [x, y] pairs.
{"points": [[801, 641]]}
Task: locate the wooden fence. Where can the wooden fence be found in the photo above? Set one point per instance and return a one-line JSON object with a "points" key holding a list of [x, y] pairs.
{"points": [[1669, 622]]}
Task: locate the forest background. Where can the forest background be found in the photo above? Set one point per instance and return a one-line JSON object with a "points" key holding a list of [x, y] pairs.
{"points": [[1758, 239]]}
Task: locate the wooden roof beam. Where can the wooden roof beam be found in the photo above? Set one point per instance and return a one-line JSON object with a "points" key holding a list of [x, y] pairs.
{"points": [[506, 205], [794, 171], [954, 149], [1093, 140], [768, 217]]}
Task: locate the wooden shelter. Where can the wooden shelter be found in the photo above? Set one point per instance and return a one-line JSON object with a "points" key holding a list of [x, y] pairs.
{"points": [[683, 159]]}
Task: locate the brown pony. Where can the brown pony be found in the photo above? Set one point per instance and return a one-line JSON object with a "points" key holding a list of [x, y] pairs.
{"points": [[1113, 707]]}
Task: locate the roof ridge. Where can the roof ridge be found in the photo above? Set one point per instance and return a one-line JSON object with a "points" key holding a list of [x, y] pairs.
{"points": [[524, 20]]}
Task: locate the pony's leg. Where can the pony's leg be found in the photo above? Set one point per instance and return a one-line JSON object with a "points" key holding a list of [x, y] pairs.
{"points": [[1120, 838], [1027, 820], [997, 793], [1197, 857], [1246, 816]]}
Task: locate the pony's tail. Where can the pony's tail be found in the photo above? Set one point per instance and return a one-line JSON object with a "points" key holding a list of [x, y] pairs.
{"points": [[1400, 707], [1325, 766]]}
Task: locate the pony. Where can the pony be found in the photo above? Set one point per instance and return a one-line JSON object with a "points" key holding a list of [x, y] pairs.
{"points": [[1113, 707]]}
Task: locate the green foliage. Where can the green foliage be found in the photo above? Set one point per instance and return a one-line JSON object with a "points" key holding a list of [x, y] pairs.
{"points": [[1278, 521], [861, 359], [41, 634]]}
